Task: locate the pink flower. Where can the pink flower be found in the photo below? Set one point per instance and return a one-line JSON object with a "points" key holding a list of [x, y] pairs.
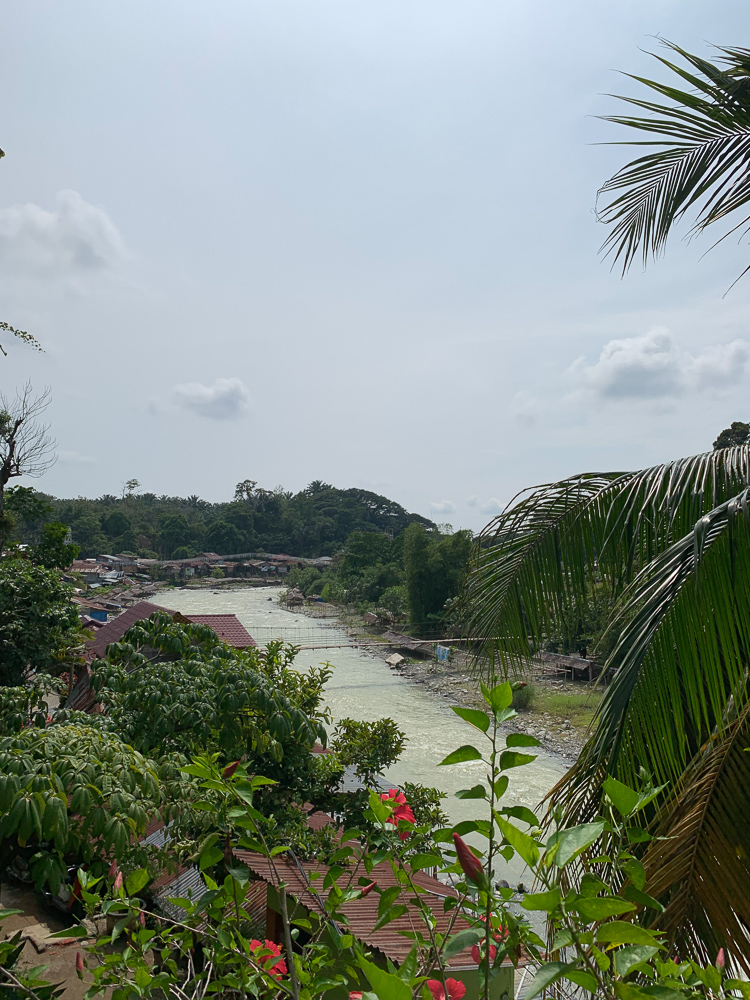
{"points": [[230, 769], [401, 812], [368, 889], [118, 881], [357, 995], [720, 959], [277, 969], [142, 918], [471, 865], [456, 989], [113, 869], [79, 964]]}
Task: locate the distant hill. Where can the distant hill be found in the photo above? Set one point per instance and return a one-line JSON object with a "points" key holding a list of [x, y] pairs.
{"points": [[314, 522]]}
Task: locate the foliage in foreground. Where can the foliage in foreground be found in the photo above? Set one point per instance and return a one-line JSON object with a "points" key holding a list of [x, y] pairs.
{"points": [[595, 907]]}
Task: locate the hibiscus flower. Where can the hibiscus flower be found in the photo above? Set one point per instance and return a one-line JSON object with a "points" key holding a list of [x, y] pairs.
{"points": [[456, 989], [266, 955], [402, 811]]}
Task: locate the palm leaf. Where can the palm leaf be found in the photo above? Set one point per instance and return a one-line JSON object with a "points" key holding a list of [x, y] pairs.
{"points": [[700, 862], [702, 155], [538, 558]]}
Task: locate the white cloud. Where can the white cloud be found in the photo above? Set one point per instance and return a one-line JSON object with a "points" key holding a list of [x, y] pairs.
{"points": [[74, 458], [442, 507], [653, 366], [226, 399], [76, 237], [491, 506]]}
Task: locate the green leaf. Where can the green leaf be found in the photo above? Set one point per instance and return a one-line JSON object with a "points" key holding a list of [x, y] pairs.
{"points": [[549, 973], [512, 758], [521, 740], [419, 861], [525, 845], [387, 898], [521, 812], [210, 857], [635, 872], [568, 844], [392, 913], [501, 786], [77, 931], [475, 792], [641, 898], [596, 908], [463, 753], [546, 901], [498, 697], [624, 799], [628, 958], [136, 881], [623, 932], [385, 985], [584, 979], [480, 720], [461, 941]]}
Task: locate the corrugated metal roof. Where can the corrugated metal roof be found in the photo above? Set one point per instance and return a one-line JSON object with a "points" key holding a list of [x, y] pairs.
{"points": [[187, 882], [228, 628], [114, 631], [363, 913]]}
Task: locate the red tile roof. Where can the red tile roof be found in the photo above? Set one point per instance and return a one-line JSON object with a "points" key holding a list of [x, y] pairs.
{"points": [[228, 628]]}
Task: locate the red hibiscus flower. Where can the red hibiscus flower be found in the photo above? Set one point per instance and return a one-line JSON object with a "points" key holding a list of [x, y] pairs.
{"points": [[401, 812], [476, 954], [456, 989], [267, 955]]}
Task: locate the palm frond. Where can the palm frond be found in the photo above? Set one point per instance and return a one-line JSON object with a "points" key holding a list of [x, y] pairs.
{"points": [[538, 558], [699, 861], [703, 155]]}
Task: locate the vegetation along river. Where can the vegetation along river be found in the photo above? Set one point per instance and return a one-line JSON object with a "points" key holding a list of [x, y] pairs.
{"points": [[363, 687]]}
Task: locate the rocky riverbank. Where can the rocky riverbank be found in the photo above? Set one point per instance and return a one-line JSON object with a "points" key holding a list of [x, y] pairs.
{"points": [[545, 718]]}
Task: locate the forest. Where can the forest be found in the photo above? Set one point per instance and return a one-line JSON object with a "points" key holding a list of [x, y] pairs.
{"points": [[314, 522]]}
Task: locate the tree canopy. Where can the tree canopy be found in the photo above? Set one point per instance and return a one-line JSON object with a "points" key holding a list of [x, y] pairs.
{"points": [[316, 521]]}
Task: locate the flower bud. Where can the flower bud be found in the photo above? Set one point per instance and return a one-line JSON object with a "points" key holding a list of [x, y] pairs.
{"points": [[470, 864], [118, 881], [229, 770], [368, 889], [720, 959], [79, 964]]}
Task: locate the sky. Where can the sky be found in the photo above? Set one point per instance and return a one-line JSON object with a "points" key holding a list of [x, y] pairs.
{"points": [[350, 241]]}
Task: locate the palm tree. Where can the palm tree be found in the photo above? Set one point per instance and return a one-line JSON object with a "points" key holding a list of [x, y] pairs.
{"points": [[672, 546], [701, 163]]}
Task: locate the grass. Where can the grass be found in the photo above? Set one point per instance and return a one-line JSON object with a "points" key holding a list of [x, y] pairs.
{"points": [[577, 706]]}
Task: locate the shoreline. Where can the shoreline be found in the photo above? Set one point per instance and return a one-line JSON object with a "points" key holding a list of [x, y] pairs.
{"points": [[455, 682]]}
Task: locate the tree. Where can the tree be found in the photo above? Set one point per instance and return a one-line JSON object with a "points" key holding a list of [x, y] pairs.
{"points": [[671, 545], [21, 335], [39, 626], [75, 794], [700, 164], [736, 434], [54, 549], [223, 538], [434, 567], [26, 448]]}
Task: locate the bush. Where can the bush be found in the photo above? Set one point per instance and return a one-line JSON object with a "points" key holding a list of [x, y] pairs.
{"points": [[217, 574], [523, 698]]}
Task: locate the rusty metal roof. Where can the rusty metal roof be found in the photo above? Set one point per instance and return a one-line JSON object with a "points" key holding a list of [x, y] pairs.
{"points": [[363, 913], [228, 628], [114, 631]]}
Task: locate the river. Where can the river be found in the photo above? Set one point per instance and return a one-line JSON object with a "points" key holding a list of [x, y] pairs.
{"points": [[363, 687]]}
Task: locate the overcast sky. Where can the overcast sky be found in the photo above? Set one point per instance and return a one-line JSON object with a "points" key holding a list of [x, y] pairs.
{"points": [[350, 241]]}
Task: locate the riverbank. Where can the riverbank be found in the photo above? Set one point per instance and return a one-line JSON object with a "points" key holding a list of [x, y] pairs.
{"points": [[559, 712]]}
